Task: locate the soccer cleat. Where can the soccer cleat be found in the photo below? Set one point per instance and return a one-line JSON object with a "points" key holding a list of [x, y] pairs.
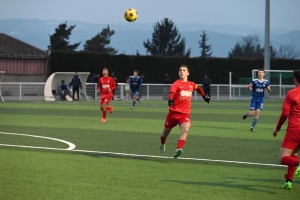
{"points": [[131, 107], [162, 148], [252, 129], [287, 185], [177, 153], [103, 120], [297, 172], [139, 101], [110, 109], [244, 117]]}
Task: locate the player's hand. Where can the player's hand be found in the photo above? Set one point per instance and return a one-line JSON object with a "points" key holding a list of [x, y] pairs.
{"points": [[206, 98], [275, 132], [171, 102]]}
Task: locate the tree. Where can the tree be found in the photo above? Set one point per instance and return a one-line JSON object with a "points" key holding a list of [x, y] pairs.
{"points": [[205, 49], [59, 40], [248, 48], [288, 51], [166, 41], [100, 41]]}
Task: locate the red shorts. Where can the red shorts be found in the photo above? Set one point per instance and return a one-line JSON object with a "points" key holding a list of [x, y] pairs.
{"points": [[291, 140], [174, 118], [104, 100]]}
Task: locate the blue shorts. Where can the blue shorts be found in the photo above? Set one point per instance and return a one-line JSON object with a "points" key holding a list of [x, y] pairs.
{"points": [[256, 103], [135, 92]]}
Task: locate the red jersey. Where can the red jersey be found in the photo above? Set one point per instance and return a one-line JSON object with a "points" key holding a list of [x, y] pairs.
{"points": [[104, 84], [291, 104], [181, 93]]}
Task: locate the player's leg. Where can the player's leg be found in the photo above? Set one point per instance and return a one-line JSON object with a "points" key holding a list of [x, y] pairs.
{"points": [[252, 109], [288, 156], [258, 107], [184, 132], [163, 139], [170, 122], [134, 99]]}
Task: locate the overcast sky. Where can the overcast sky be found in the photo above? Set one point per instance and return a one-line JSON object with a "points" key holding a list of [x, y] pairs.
{"points": [[284, 13]]}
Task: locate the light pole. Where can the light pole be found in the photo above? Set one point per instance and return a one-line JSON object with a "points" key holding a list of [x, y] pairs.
{"points": [[47, 60]]}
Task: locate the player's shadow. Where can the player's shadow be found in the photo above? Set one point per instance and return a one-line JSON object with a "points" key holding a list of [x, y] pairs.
{"points": [[258, 179], [232, 185]]}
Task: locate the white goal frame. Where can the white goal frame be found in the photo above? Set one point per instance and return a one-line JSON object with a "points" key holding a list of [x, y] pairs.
{"points": [[1, 75]]}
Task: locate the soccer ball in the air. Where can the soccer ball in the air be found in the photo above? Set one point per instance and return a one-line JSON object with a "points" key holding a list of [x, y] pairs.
{"points": [[130, 15]]}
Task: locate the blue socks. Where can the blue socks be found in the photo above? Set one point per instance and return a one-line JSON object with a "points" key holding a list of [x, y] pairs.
{"points": [[254, 122], [133, 103]]}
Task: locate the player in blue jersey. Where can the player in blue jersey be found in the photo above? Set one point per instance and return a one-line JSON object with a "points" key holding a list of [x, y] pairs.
{"points": [[135, 82], [257, 86]]}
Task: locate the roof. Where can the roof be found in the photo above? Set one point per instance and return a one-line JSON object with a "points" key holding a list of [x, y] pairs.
{"points": [[12, 47]]}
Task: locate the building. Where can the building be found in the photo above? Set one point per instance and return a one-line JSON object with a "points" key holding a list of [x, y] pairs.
{"points": [[22, 62]]}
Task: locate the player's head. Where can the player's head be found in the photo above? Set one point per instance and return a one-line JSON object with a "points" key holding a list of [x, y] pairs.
{"points": [[261, 73], [296, 76], [76, 74], [135, 73], [184, 72], [105, 71]]}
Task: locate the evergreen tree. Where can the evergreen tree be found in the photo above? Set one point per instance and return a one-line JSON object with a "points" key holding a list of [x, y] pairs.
{"points": [[288, 51], [59, 39], [205, 49], [99, 42], [166, 41]]}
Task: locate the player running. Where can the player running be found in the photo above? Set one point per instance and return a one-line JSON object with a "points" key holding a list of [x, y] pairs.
{"points": [[179, 100], [135, 82], [106, 85], [291, 142], [257, 86]]}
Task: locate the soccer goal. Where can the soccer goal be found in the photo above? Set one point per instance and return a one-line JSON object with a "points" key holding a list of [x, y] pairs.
{"points": [[51, 90], [281, 81], [1, 75]]}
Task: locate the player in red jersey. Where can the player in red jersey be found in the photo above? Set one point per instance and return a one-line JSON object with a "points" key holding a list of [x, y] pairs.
{"points": [[106, 85], [179, 100], [291, 142]]}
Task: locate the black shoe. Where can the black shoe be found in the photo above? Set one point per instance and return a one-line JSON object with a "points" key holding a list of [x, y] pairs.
{"points": [[252, 129], [244, 117]]}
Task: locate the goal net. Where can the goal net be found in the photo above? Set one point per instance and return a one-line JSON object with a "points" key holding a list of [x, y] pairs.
{"points": [[281, 81]]}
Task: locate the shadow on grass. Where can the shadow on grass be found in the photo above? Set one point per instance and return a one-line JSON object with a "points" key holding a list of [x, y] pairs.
{"points": [[258, 179], [232, 185]]}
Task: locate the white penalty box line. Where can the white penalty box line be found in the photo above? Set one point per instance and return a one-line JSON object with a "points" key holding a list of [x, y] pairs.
{"points": [[147, 156]]}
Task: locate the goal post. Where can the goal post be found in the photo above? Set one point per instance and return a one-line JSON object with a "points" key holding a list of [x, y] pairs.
{"points": [[1, 75]]}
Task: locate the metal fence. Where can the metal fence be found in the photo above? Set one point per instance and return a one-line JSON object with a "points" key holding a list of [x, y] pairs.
{"points": [[25, 91]]}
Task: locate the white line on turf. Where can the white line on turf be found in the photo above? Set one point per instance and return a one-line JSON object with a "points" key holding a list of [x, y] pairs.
{"points": [[148, 156], [71, 145]]}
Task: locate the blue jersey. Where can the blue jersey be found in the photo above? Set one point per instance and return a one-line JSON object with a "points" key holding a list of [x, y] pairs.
{"points": [[135, 83], [258, 88]]}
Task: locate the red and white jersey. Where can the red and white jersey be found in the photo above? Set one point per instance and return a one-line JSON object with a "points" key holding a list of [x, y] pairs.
{"points": [[181, 93], [292, 104], [104, 84]]}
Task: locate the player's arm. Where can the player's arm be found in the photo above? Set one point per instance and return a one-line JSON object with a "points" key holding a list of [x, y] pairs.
{"points": [[99, 86], [113, 85], [268, 87], [200, 91], [171, 94], [250, 86], [284, 114]]}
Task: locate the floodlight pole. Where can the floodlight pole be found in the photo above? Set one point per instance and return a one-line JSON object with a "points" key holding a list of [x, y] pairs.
{"points": [[267, 37]]}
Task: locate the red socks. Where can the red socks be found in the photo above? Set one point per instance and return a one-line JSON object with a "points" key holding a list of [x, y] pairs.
{"points": [[163, 140], [292, 163], [180, 144], [104, 114]]}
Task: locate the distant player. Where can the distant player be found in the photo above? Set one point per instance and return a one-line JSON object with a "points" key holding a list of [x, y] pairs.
{"points": [[179, 100], [106, 85], [257, 86], [290, 146], [135, 83]]}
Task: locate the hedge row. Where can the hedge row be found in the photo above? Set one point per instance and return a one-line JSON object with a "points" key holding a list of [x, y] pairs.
{"points": [[154, 68]]}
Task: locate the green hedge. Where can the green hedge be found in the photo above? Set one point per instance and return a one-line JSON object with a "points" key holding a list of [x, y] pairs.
{"points": [[154, 68]]}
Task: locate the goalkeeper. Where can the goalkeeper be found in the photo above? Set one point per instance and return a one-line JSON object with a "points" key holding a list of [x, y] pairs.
{"points": [[179, 100]]}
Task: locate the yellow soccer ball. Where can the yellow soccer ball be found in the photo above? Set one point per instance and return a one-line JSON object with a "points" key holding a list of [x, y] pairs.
{"points": [[130, 15]]}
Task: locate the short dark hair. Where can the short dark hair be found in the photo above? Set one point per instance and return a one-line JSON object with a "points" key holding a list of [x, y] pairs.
{"points": [[297, 74], [136, 71], [105, 68], [261, 69], [185, 67]]}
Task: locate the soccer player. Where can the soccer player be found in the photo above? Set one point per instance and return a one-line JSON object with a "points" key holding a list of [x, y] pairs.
{"points": [[135, 82], [291, 142], [179, 100], [106, 85], [257, 86]]}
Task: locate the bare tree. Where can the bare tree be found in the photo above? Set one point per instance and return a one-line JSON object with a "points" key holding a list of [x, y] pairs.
{"points": [[288, 51]]}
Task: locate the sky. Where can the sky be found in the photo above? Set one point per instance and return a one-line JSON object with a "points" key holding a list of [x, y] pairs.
{"points": [[285, 14]]}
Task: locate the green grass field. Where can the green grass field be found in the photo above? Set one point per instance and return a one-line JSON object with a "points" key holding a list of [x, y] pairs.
{"points": [[120, 159]]}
